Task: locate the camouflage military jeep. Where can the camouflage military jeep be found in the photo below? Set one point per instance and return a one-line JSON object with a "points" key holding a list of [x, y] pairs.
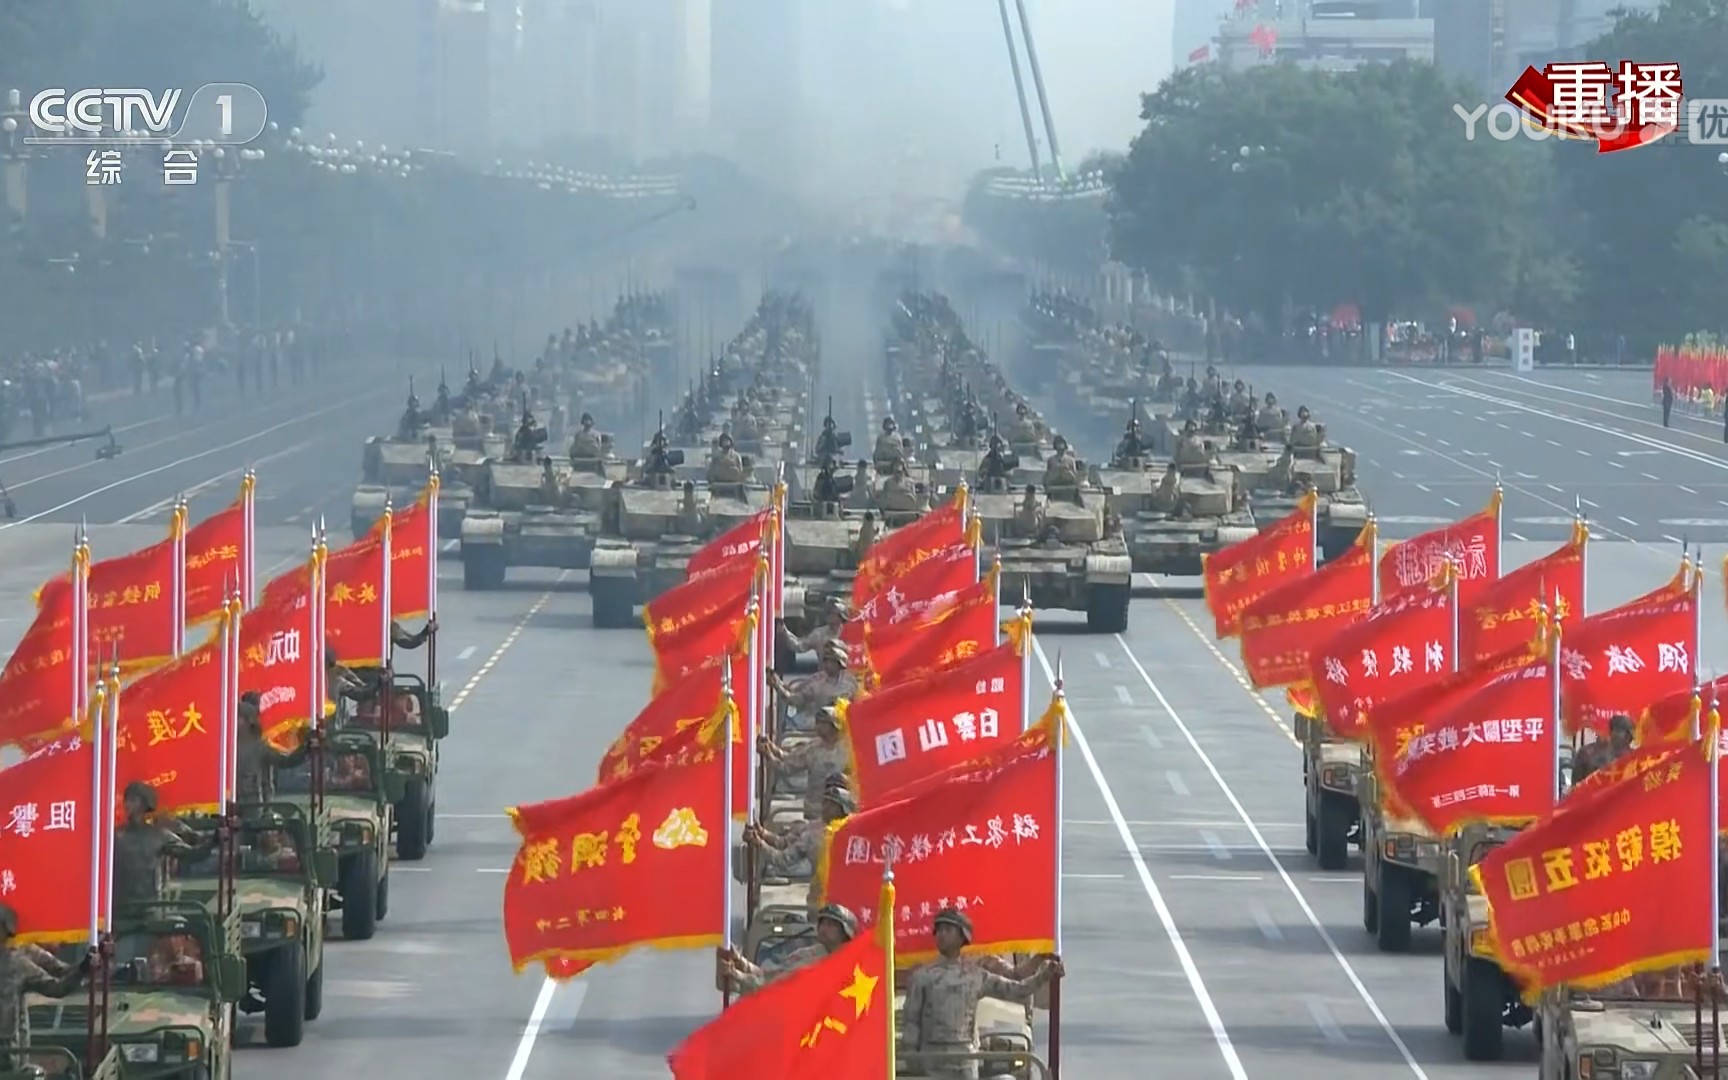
{"points": [[1642, 1027], [1481, 1000], [358, 795], [411, 751], [1401, 865], [177, 969], [1333, 817], [59, 1063], [279, 886]]}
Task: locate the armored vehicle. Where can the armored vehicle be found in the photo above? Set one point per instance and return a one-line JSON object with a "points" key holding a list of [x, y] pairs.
{"points": [[59, 1063], [1331, 472], [390, 470], [1330, 770], [1401, 868], [176, 971], [1645, 1026], [1481, 999], [524, 515], [1063, 549], [279, 882], [358, 795], [418, 722], [1172, 518]]}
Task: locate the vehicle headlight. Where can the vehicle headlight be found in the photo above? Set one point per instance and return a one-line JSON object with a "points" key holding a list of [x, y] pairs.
{"points": [[408, 764], [1428, 851], [357, 832], [1638, 1070], [251, 929], [142, 1053], [1335, 776], [1482, 942]]}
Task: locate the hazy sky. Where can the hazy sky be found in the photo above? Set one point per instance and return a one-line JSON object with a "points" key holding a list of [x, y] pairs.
{"points": [[1098, 57]]}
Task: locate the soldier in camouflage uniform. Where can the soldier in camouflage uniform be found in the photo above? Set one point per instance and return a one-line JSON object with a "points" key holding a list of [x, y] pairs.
{"points": [[23, 971], [832, 681], [818, 639], [826, 755], [143, 842], [1601, 753], [585, 445], [941, 1013], [255, 759], [402, 639], [781, 854], [835, 926]]}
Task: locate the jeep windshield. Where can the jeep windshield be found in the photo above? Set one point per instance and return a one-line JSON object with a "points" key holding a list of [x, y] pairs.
{"points": [[264, 848], [167, 958], [1668, 986], [346, 772]]}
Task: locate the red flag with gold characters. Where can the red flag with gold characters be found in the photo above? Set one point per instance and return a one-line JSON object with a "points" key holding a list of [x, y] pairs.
{"points": [[217, 550], [918, 648], [47, 832], [741, 544], [278, 653], [922, 594], [1249, 569], [1503, 613], [688, 702], [725, 631], [684, 608], [1473, 545], [1617, 884], [356, 623], [36, 687], [911, 730], [414, 556], [171, 732], [830, 1020], [623, 865], [1280, 630], [134, 604], [1620, 661], [1484, 750], [897, 553], [1401, 645], [1669, 719], [981, 837]]}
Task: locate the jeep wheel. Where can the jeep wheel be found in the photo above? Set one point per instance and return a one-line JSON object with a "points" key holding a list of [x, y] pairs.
{"points": [[1310, 831], [1370, 900], [614, 602], [432, 817], [1484, 1033], [381, 899], [285, 997], [413, 815], [357, 882], [483, 567], [1392, 929], [1334, 839], [1107, 608], [1454, 1002], [315, 987]]}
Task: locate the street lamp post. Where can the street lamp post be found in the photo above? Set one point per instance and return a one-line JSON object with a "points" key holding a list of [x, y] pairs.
{"points": [[14, 124]]}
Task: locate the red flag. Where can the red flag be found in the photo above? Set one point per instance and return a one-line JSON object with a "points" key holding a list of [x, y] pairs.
{"points": [[741, 544], [981, 837], [726, 631], [1622, 660], [1503, 613], [1249, 569], [690, 701], [912, 730], [132, 605], [1473, 545], [922, 594], [1402, 645], [831, 1020], [696, 597], [171, 730], [1617, 884], [278, 649], [896, 554], [1669, 719], [47, 832], [917, 649], [355, 622], [414, 556], [215, 566], [36, 687], [1281, 629], [622, 865]]}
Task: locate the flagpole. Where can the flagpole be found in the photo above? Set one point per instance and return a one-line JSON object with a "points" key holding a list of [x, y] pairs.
{"points": [[230, 714], [1057, 739], [1712, 754], [885, 928], [111, 750], [1554, 674], [100, 831], [235, 607], [1025, 668], [249, 538], [1373, 528], [1315, 551], [177, 579], [80, 625], [726, 816], [1583, 558], [1457, 618]]}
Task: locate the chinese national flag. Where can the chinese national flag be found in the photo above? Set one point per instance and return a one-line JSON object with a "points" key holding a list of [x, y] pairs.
{"points": [[1669, 719], [982, 835], [622, 865], [912, 730], [688, 702], [1281, 629], [37, 683], [917, 649], [739, 545], [277, 654], [1502, 615], [45, 842], [413, 559], [131, 605], [1616, 884], [1403, 644], [1623, 659], [214, 564], [896, 554], [922, 594], [1472, 544], [1249, 569], [1480, 749], [171, 731], [831, 1020]]}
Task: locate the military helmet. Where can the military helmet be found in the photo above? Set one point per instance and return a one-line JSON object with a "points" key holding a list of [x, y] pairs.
{"points": [[8, 920], [837, 651], [957, 919], [725, 440], [1059, 444], [1271, 398], [888, 423], [840, 915], [143, 792], [842, 798], [1302, 412], [587, 419], [1020, 409], [827, 715], [828, 423]]}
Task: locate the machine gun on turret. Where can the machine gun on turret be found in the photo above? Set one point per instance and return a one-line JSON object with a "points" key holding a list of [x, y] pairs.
{"points": [[530, 437], [831, 442], [660, 468], [109, 449]]}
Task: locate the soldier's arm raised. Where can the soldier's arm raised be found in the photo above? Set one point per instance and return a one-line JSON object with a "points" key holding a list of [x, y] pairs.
{"points": [[1018, 991]]}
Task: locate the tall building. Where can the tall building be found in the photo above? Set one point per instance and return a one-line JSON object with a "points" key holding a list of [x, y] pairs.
{"points": [[1196, 24], [1330, 34]]}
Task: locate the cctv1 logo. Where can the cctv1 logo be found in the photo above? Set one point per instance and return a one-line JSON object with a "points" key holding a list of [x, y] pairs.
{"points": [[223, 113]]}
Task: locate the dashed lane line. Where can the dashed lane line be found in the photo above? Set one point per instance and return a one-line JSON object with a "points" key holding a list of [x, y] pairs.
{"points": [[509, 640], [1235, 673]]}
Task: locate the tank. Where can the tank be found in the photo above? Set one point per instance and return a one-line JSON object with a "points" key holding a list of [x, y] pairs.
{"points": [[1331, 473], [392, 472], [1065, 551], [524, 515], [1171, 521]]}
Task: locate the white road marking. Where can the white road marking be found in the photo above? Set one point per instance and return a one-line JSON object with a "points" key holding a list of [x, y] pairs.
{"points": [[1177, 784], [1103, 661], [465, 653], [1627, 520], [1123, 696], [1616, 464], [1451, 502], [1094, 877], [1683, 487], [451, 545], [1151, 738], [1278, 868], [1653, 476], [1269, 928], [536, 1018], [1515, 536], [1190, 970], [1591, 504], [200, 488], [1324, 1020], [1672, 539], [1168, 824], [1424, 487], [509, 640], [1551, 442], [1215, 877], [1216, 845]]}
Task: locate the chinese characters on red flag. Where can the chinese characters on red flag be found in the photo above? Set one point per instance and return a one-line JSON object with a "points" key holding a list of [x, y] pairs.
{"points": [[1472, 545], [898, 553], [1622, 660], [45, 842], [1619, 883], [170, 732], [131, 605], [980, 837], [214, 563], [1503, 614], [830, 1020], [726, 631], [277, 652], [641, 860], [1483, 751], [697, 597], [917, 649], [413, 559], [1249, 569], [741, 544], [355, 623], [684, 704], [1401, 646], [912, 730], [36, 687], [924, 591], [1281, 629]]}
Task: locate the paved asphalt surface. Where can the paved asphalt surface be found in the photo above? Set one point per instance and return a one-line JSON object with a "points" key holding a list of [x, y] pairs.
{"points": [[1201, 941]]}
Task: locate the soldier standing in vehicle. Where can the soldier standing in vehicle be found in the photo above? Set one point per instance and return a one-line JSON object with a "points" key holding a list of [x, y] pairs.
{"points": [[1024, 430], [23, 971], [941, 1012], [255, 759], [888, 446], [818, 639], [1130, 446], [725, 465], [142, 843], [835, 926], [830, 683], [822, 757], [1062, 470], [585, 444], [1602, 753], [782, 853]]}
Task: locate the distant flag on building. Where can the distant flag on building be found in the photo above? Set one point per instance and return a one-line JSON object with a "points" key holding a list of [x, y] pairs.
{"points": [[1200, 55]]}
